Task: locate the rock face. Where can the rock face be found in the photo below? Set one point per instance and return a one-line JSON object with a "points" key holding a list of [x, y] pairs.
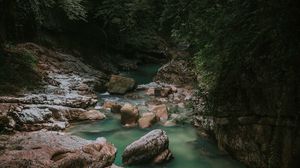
{"points": [[256, 140], [53, 149], [66, 93], [153, 148], [34, 117], [129, 115], [120, 84], [179, 70], [176, 72]]}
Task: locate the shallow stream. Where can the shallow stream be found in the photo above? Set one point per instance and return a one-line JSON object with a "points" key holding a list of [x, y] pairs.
{"points": [[189, 150]]}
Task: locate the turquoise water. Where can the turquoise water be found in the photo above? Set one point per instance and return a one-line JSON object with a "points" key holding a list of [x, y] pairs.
{"points": [[189, 150], [144, 74]]}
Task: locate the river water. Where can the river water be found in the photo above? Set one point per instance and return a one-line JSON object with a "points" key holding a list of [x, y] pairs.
{"points": [[189, 150]]}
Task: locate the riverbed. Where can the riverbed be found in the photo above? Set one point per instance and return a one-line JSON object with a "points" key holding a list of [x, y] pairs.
{"points": [[189, 149]]}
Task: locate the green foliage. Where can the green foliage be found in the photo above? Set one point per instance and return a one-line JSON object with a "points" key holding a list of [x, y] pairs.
{"points": [[35, 9], [74, 9], [40, 10], [128, 14], [130, 23], [245, 51], [122, 25]]}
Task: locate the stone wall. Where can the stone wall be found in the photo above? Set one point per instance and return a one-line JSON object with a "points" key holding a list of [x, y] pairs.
{"points": [[257, 140]]}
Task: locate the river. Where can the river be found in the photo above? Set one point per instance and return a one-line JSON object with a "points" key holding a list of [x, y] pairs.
{"points": [[189, 150]]}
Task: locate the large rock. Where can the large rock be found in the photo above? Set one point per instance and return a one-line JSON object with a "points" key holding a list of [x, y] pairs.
{"points": [[129, 115], [66, 93], [91, 115], [147, 120], [153, 148], [256, 139], [51, 117], [33, 115], [178, 72], [36, 117], [120, 84], [113, 106], [160, 111], [53, 149]]}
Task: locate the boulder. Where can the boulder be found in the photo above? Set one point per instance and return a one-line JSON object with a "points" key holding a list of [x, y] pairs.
{"points": [[179, 72], [160, 111], [142, 109], [91, 115], [63, 113], [129, 115], [166, 155], [33, 115], [147, 120], [120, 85], [169, 123], [54, 149], [151, 148], [113, 106], [51, 117]]}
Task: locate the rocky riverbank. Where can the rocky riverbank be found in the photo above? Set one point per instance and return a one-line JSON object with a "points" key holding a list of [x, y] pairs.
{"points": [[53, 149], [66, 95], [256, 140], [67, 92]]}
